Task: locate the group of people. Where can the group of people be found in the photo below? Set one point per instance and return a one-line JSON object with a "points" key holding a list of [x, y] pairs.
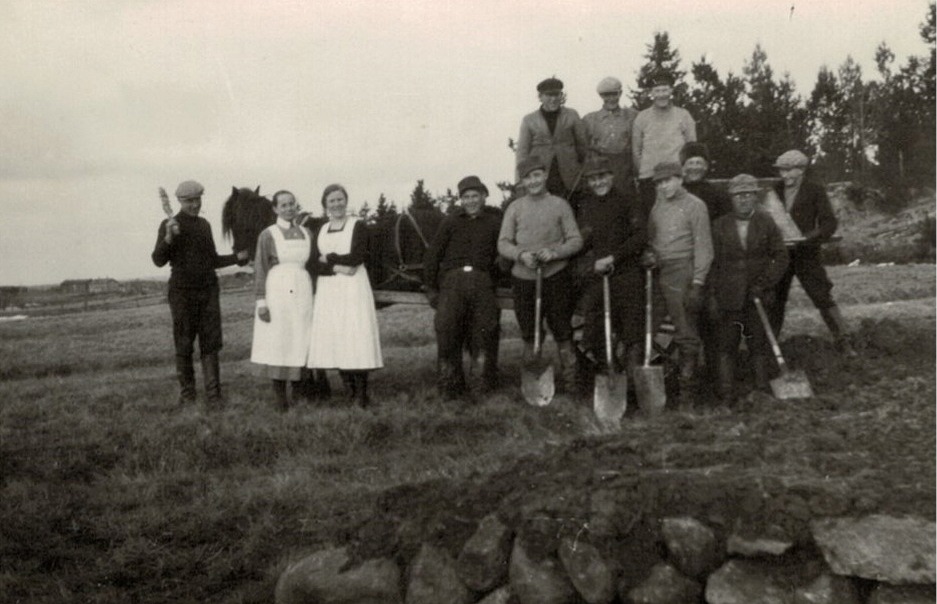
{"points": [[618, 195], [314, 306]]}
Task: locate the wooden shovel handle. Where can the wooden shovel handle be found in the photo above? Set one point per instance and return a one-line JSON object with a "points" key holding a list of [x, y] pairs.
{"points": [[766, 324], [648, 318], [537, 302]]}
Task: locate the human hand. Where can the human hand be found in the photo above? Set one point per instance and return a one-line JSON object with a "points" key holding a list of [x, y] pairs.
{"points": [[546, 255], [243, 257], [528, 259], [263, 313], [172, 229], [604, 265], [648, 259]]}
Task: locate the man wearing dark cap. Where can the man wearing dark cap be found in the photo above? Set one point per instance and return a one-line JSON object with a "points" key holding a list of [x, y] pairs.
{"points": [[557, 135], [460, 276], [658, 134], [681, 250], [614, 237], [539, 230], [608, 131], [185, 242], [749, 259], [811, 210]]}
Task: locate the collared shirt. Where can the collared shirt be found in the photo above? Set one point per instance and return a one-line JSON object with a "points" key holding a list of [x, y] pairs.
{"points": [[463, 240], [679, 228], [609, 131]]}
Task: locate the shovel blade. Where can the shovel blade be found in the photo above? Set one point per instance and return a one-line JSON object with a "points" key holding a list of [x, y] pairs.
{"points": [[537, 384], [610, 399], [649, 388], [791, 384]]}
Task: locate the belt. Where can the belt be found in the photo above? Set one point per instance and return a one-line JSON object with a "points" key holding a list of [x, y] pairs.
{"points": [[467, 269]]}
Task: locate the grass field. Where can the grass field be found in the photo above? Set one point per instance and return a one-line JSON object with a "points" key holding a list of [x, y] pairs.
{"points": [[108, 493]]}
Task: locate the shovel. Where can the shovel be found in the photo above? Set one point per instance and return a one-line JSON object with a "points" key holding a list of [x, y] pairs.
{"points": [[611, 389], [537, 375], [790, 384], [649, 380]]}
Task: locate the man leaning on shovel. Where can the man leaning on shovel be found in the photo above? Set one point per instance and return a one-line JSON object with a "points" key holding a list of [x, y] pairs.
{"points": [[540, 231]]}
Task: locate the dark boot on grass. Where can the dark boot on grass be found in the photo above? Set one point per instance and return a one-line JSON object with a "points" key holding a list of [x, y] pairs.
{"points": [[687, 380], [211, 370], [361, 389], [281, 398], [725, 381], [761, 372], [566, 359], [351, 385], [185, 373], [837, 324]]}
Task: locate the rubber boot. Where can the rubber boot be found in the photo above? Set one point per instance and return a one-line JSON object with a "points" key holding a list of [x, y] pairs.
{"points": [[281, 400], [185, 372], [212, 372], [725, 382], [351, 386], [837, 325], [686, 379], [361, 389], [566, 359]]}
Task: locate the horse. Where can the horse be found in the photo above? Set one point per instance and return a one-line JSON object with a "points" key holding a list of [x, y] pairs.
{"points": [[244, 215]]}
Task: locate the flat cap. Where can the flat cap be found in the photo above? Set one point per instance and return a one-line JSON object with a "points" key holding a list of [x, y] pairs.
{"points": [[189, 189], [666, 169], [534, 162], [743, 183], [694, 149], [470, 183], [608, 86], [791, 159], [596, 165], [550, 85]]}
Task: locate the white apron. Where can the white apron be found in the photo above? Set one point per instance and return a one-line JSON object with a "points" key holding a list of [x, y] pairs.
{"points": [[344, 321], [284, 341]]}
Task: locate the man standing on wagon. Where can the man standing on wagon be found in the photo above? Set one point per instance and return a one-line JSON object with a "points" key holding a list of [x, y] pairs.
{"points": [[608, 131], [460, 276], [185, 242], [540, 230]]}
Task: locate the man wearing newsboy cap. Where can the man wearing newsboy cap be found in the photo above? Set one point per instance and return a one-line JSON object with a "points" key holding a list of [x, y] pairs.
{"points": [[608, 131], [556, 134], [460, 276], [810, 209], [185, 242]]}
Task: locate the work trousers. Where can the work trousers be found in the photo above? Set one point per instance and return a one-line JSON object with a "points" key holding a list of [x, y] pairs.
{"points": [[736, 325], [672, 281], [556, 305], [196, 313], [467, 312], [627, 296], [806, 266]]}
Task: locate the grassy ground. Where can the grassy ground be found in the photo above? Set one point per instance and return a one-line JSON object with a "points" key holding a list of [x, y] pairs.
{"points": [[110, 494]]}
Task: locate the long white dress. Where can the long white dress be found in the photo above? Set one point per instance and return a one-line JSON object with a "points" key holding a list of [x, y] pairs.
{"points": [[284, 341], [344, 322]]}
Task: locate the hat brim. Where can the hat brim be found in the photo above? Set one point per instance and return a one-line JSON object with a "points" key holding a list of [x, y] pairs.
{"points": [[596, 173], [746, 190], [480, 188]]}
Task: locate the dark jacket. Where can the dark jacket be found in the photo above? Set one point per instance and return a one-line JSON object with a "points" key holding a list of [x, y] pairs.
{"points": [[191, 255], [613, 226], [736, 270], [463, 240], [812, 211]]}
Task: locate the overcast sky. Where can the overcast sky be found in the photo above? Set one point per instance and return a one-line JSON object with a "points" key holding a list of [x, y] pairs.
{"points": [[104, 101]]}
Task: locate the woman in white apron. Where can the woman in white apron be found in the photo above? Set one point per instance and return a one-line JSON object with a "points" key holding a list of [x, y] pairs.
{"points": [[344, 321], [284, 299]]}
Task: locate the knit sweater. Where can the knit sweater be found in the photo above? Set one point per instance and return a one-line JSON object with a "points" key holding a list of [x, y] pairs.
{"points": [[678, 228], [534, 223], [658, 135]]}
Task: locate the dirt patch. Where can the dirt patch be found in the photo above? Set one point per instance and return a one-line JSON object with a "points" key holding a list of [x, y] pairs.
{"points": [[864, 444]]}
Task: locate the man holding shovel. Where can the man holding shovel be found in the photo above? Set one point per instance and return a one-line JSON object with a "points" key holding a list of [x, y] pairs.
{"points": [[539, 232], [749, 260]]}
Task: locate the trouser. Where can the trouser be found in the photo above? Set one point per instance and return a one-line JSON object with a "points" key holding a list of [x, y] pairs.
{"points": [[196, 314], [467, 315], [671, 285], [626, 288], [708, 328], [556, 305], [734, 326], [806, 266]]}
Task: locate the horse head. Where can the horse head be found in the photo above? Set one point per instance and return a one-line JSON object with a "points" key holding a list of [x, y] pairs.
{"points": [[244, 215]]}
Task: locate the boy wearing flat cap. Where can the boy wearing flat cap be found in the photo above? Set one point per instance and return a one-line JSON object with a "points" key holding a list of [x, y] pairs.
{"points": [[608, 131], [460, 274], [614, 237], [681, 250], [810, 209], [539, 230], [556, 134], [658, 134], [186, 243], [749, 259]]}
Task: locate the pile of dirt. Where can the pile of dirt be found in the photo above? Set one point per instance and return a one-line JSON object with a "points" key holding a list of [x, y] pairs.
{"points": [[864, 445]]}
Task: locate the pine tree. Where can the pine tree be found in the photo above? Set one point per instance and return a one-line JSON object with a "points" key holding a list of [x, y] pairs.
{"points": [[660, 59], [420, 199], [717, 108], [384, 208]]}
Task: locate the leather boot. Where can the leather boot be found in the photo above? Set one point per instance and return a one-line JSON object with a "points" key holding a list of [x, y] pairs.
{"points": [[351, 386], [725, 382], [686, 380], [185, 372], [760, 368], [361, 389], [480, 378], [567, 365], [212, 372], [837, 325], [281, 401]]}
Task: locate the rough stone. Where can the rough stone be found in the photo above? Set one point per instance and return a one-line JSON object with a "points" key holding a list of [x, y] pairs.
{"points": [[433, 579], [319, 578], [756, 546], [692, 545], [902, 594], [483, 561], [884, 548], [665, 585], [828, 589], [502, 595], [746, 582], [590, 574], [541, 582]]}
